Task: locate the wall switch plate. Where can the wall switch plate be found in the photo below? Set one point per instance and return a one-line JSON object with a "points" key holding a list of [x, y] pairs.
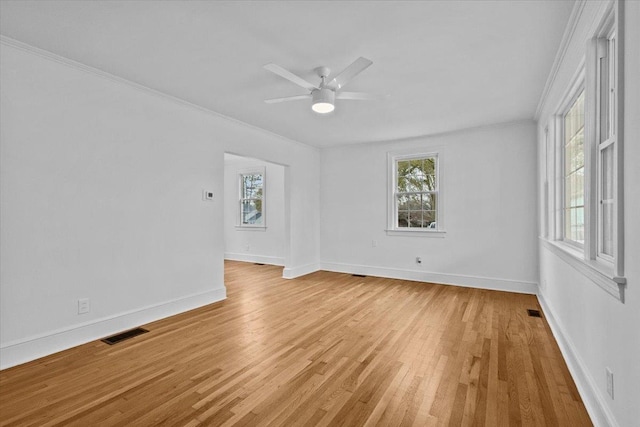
{"points": [[207, 195], [609, 382], [83, 305]]}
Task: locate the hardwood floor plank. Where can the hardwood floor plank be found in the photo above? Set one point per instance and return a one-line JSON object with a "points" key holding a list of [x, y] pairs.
{"points": [[322, 350]]}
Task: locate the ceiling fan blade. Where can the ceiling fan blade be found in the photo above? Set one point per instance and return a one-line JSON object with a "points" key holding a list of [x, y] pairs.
{"points": [[287, 98], [276, 69], [359, 96], [358, 66]]}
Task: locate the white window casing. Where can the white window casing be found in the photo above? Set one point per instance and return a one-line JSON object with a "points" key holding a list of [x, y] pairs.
{"points": [[427, 228], [252, 199], [600, 75]]}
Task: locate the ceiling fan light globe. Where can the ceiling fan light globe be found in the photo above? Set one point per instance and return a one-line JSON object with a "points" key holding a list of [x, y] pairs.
{"points": [[322, 107], [323, 101]]}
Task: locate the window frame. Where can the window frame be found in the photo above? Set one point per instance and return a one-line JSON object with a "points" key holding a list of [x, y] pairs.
{"points": [[392, 217], [607, 272], [578, 88], [603, 49], [611, 25], [241, 174]]}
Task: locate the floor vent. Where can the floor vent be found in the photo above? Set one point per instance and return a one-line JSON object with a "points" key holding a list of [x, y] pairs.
{"points": [[534, 313], [358, 275], [124, 336], [258, 263]]}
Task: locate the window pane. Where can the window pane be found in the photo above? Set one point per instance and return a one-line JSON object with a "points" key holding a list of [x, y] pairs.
{"points": [[606, 201], [568, 156], [607, 173], [568, 188], [429, 202], [579, 225], [251, 212], [403, 203], [579, 148], [415, 168], [607, 228], [403, 218], [401, 185], [579, 187], [429, 219], [415, 219], [574, 172], [611, 88], [415, 202], [567, 224], [402, 167], [252, 186], [429, 166], [409, 184], [429, 183], [572, 227]]}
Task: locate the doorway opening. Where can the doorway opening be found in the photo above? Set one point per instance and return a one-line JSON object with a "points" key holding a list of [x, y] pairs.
{"points": [[256, 211]]}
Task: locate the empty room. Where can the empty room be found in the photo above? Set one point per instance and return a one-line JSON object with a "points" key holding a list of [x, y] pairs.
{"points": [[319, 213]]}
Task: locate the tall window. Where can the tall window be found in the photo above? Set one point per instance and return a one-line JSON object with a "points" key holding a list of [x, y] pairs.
{"points": [[252, 199], [573, 211], [415, 192], [587, 191], [605, 141]]}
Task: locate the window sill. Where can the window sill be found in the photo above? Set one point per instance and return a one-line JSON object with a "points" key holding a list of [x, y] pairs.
{"points": [[600, 273], [250, 228], [417, 233]]}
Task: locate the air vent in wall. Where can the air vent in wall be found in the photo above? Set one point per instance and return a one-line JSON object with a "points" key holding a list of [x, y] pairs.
{"points": [[114, 339]]}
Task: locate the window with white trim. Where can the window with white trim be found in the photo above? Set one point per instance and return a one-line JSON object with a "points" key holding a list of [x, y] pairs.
{"points": [[415, 193], [586, 165], [252, 200], [605, 141], [573, 171]]}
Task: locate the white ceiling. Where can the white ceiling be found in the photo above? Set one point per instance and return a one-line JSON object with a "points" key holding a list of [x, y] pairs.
{"points": [[443, 65]]}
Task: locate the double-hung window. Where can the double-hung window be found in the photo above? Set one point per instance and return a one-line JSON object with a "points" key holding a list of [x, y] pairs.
{"points": [[573, 171], [587, 191], [252, 200], [605, 141], [415, 203]]}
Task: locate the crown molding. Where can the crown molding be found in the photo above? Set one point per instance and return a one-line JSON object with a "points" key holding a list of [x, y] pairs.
{"points": [[425, 137], [8, 41], [567, 36]]}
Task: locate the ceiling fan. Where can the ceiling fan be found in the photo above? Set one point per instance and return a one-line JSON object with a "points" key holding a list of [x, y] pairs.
{"points": [[323, 95]]}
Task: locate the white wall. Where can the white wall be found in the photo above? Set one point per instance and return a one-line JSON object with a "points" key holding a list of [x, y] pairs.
{"points": [[101, 198], [488, 186], [596, 330], [263, 245]]}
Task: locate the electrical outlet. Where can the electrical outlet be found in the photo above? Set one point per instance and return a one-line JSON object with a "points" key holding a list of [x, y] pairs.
{"points": [[207, 195], [374, 243], [609, 382], [418, 260], [247, 248], [83, 305]]}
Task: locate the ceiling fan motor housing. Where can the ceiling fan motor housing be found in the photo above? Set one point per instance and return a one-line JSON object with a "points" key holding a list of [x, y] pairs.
{"points": [[323, 100]]}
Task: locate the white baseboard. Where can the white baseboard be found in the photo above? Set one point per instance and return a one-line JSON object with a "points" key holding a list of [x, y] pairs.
{"points": [[428, 276], [31, 348], [594, 401], [261, 259], [301, 270]]}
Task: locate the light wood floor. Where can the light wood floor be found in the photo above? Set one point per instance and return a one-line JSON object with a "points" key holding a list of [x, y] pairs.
{"points": [[325, 349]]}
